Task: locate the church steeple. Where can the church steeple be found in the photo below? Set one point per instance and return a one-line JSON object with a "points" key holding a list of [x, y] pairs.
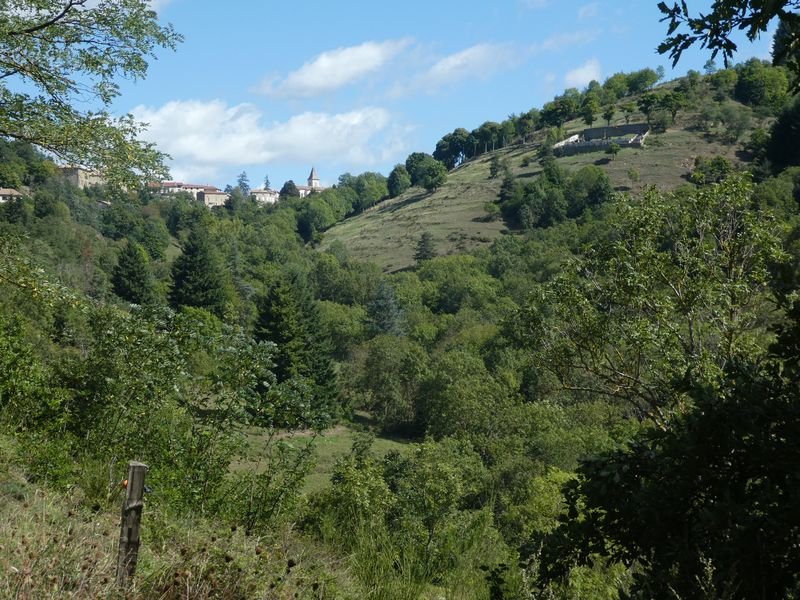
{"points": [[313, 180]]}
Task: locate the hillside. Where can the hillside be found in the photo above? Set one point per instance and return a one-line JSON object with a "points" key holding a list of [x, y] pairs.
{"points": [[456, 216]]}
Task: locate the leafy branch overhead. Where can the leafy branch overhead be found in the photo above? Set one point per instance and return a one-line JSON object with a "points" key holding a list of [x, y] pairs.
{"points": [[715, 29], [57, 55]]}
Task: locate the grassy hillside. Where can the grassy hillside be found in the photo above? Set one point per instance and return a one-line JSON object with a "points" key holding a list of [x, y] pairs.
{"points": [[456, 216]]}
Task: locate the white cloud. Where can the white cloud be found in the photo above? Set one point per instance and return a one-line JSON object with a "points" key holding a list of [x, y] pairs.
{"points": [[204, 137], [589, 11], [334, 69], [561, 41], [476, 62], [582, 75]]}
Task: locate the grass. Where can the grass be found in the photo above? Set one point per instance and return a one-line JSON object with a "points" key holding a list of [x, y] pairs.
{"points": [[53, 546], [328, 446], [455, 215]]}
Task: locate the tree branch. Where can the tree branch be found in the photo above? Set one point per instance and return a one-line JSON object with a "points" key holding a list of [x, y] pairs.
{"points": [[69, 6]]}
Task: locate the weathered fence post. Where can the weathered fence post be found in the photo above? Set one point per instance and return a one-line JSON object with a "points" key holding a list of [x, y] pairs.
{"points": [[131, 520]]}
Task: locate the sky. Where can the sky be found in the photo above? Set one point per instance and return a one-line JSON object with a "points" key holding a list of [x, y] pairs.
{"points": [[274, 88]]}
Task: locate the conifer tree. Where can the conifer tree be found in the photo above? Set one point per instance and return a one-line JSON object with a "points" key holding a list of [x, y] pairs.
{"points": [[198, 276], [425, 248], [288, 317], [385, 314], [132, 279]]}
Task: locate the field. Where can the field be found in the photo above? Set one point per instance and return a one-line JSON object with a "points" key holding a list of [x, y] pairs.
{"points": [[329, 445], [455, 214]]}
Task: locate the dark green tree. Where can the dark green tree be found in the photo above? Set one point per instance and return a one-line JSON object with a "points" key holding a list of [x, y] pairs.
{"points": [[243, 184], [399, 181], [434, 175], [132, 279], [425, 247], [288, 317], [783, 149], [289, 190], [706, 508], [198, 276], [384, 312]]}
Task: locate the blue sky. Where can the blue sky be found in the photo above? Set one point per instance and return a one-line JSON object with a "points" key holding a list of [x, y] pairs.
{"points": [[276, 87]]}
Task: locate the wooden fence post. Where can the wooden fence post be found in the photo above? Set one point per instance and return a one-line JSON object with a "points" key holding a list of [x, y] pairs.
{"points": [[131, 520]]}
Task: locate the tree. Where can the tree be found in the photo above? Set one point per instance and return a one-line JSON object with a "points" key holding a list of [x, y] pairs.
{"points": [[58, 56], [266, 182], [672, 102], [641, 81], [288, 317], [243, 183], [608, 114], [674, 295], [132, 279], [706, 508], [714, 30], [198, 276], [648, 104], [434, 175], [289, 190], [414, 164], [425, 248], [589, 110], [399, 181], [628, 109], [782, 148]]}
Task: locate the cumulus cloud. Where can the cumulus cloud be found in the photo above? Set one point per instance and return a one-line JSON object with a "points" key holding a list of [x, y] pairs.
{"points": [[582, 75], [334, 69], [589, 11], [203, 137]]}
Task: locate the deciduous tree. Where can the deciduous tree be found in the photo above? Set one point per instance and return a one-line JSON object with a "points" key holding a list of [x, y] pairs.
{"points": [[58, 57]]}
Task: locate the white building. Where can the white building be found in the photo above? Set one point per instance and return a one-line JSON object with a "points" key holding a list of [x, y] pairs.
{"points": [[265, 196], [313, 185], [8, 194]]}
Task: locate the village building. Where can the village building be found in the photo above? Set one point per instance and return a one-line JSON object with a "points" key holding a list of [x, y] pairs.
{"points": [[268, 196], [209, 195], [81, 177], [313, 185], [8, 194], [265, 196], [212, 198]]}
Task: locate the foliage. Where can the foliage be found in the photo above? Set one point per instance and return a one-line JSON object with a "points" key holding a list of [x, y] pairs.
{"points": [[782, 149], [198, 276], [425, 247], [132, 279], [707, 503], [671, 298], [399, 181], [56, 56], [289, 190], [714, 30]]}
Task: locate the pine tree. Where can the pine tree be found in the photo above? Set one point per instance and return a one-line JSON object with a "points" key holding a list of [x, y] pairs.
{"points": [[425, 248], [131, 278], [287, 316], [385, 314], [198, 276]]}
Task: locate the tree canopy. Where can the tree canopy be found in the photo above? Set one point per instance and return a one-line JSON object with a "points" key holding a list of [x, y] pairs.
{"points": [[59, 61], [714, 30]]}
